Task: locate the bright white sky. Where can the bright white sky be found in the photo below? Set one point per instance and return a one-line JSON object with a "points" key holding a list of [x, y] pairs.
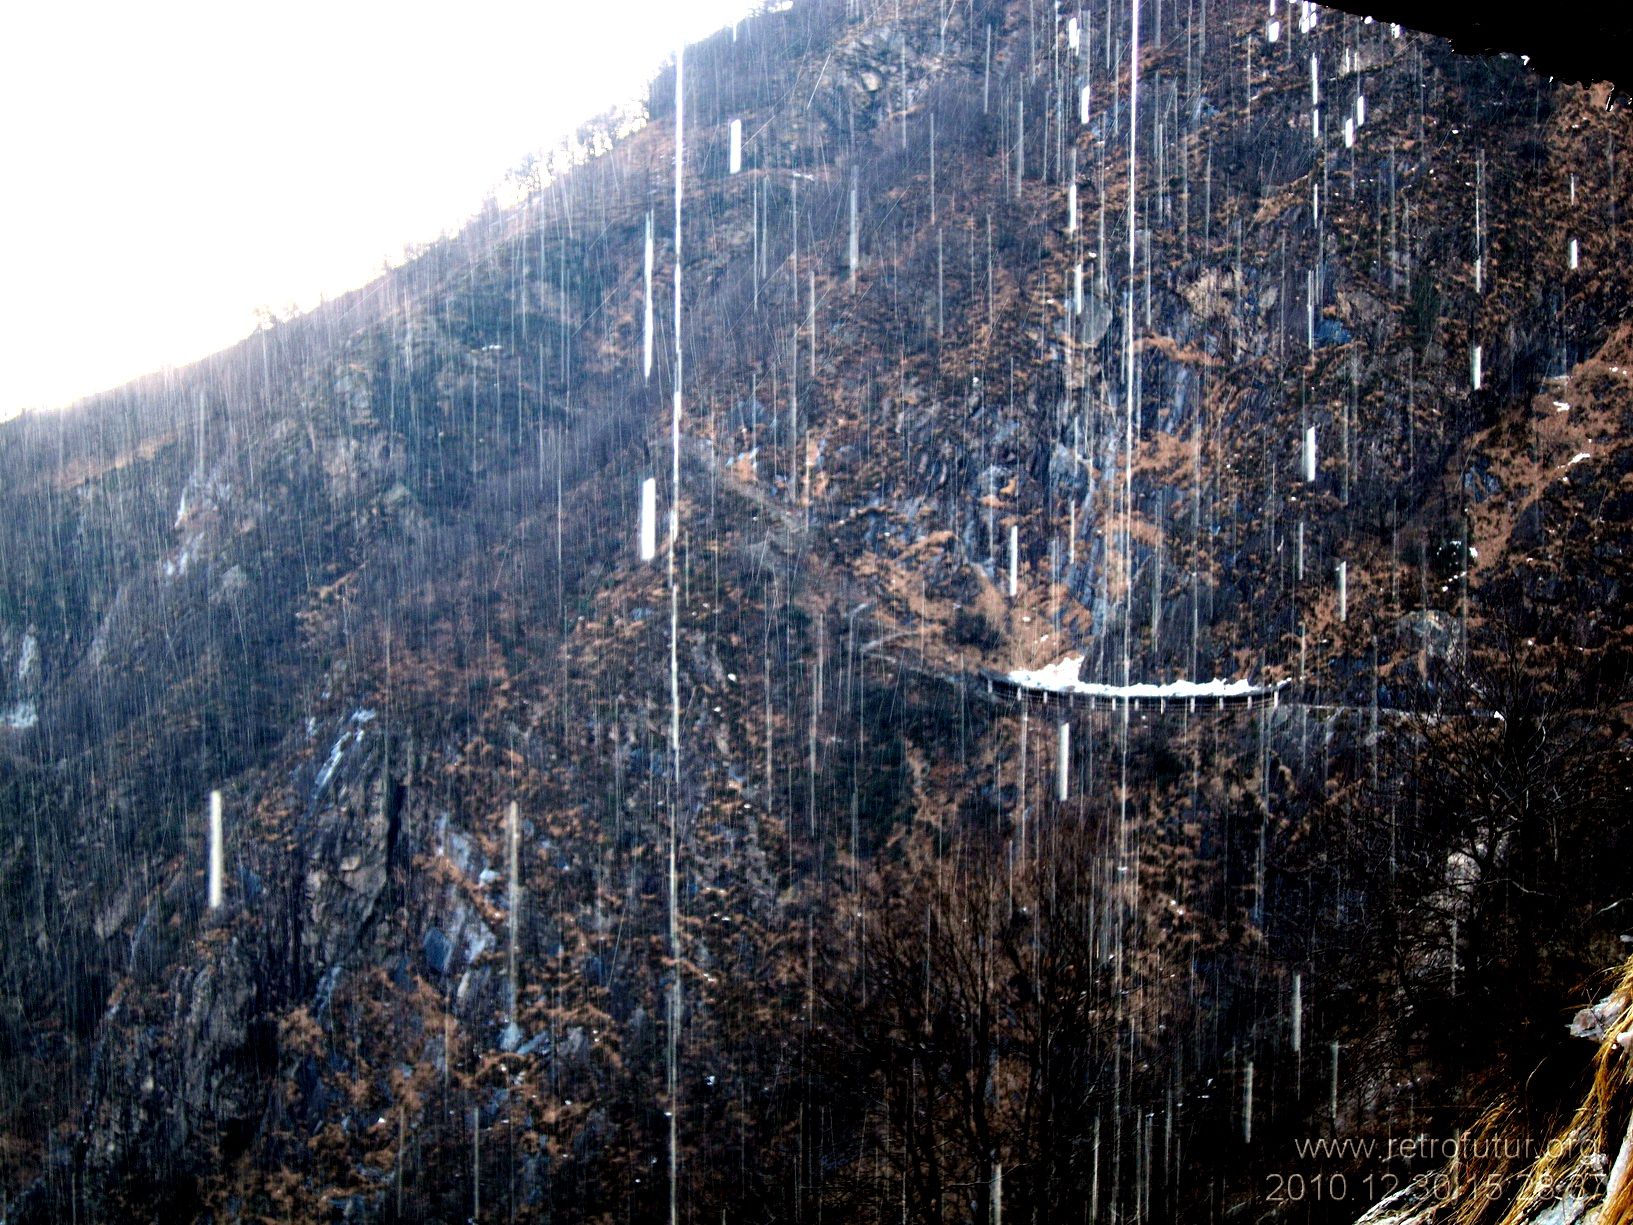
{"points": [[173, 164]]}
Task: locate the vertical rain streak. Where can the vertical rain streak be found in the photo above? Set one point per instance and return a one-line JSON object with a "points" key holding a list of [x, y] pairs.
{"points": [[649, 518], [672, 1027], [1063, 761], [217, 855], [513, 885], [646, 328]]}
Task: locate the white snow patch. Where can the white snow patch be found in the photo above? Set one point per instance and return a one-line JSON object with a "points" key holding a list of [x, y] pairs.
{"points": [[27, 656], [177, 566], [330, 766], [1561, 407], [20, 717], [1061, 677], [477, 941], [1578, 458], [207, 492]]}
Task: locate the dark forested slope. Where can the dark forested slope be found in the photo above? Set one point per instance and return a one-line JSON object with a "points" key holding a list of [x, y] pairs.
{"points": [[1300, 354]]}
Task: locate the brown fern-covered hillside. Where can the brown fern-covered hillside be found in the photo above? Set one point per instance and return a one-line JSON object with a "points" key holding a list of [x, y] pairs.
{"points": [[742, 883]]}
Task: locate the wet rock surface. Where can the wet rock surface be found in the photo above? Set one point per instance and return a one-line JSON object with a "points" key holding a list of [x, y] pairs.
{"points": [[383, 592]]}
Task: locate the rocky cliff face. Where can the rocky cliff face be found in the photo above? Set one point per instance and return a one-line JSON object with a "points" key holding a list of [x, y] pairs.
{"points": [[1296, 354]]}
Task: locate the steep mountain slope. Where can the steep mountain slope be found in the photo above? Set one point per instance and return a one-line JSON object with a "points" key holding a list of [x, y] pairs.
{"points": [[994, 350]]}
